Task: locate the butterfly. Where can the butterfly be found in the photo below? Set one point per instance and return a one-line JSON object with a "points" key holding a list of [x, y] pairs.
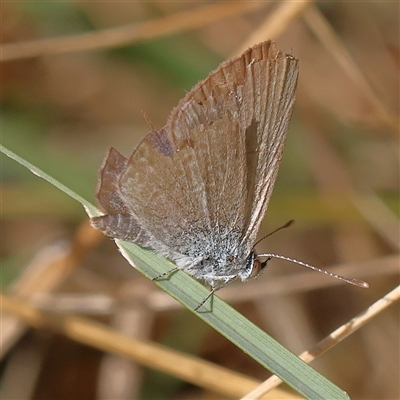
{"points": [[196, 190]]}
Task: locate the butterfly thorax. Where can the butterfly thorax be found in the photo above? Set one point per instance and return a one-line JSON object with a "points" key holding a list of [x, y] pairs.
{"points": [[215, 259]]}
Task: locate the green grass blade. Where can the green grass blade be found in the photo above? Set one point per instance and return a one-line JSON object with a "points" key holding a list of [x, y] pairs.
{"points": [[234, 326], [218, 314], [37, 171]]}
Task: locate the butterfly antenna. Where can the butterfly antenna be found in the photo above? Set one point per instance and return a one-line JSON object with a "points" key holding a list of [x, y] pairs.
{"points": [[291, 222], [352, 281]]}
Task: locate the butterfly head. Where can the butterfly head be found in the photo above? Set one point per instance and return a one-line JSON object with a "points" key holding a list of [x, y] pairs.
{"points": [[253, 267]]}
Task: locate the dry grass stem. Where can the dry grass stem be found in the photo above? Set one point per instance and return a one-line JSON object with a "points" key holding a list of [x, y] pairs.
{"points": [[188, 368], [321, 28], [327, 163], [128, 34], [54, 263], [380, 217], [330, 341], [276, 23], [44, 274], [82, 303]]}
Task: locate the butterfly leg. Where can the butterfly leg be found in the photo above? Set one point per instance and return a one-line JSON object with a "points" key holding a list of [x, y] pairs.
{"points": [[213, 290], [205, 299], [165, 275]]}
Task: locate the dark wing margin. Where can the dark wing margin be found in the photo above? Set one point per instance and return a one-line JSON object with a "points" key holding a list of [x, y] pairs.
{"points": [[108, 194], [118, 222]]}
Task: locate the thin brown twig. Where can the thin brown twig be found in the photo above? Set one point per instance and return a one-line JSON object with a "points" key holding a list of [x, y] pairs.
{"points": [[330, 341], [128, 34]]}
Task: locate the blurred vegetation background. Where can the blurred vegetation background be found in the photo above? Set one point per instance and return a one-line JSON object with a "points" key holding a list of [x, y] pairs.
{"points": [[76, 77]]}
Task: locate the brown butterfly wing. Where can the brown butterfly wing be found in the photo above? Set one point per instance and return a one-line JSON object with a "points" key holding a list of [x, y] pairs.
{"points": [[211, 170]]}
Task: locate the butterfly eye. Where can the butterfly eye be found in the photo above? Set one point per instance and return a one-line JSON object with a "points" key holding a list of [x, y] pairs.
{"points": [[256, 268]]}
